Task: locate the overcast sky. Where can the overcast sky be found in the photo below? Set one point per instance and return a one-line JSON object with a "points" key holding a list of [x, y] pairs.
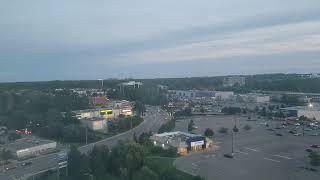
{"points": [[77, 39]]}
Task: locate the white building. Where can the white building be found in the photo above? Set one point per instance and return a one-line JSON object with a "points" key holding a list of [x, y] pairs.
{"points": [[96, 123], [184, 142], [27, 147], [233, 81], [262, 99], [224, 95], [87, 113], [307, 111]]}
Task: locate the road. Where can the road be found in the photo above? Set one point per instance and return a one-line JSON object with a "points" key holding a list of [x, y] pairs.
{"points": [[153, 119]]}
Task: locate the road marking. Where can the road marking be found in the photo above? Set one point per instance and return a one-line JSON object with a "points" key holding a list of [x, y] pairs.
{"points": [[194, 164], [242, 152], [284, 157], [271, 160], [255, 150]]}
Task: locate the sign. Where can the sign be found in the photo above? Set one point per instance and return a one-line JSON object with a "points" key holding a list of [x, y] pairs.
{"points": [[197, 143]]}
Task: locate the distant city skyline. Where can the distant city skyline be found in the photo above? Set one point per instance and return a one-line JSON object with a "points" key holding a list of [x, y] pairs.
{"points": [[76, 39]]}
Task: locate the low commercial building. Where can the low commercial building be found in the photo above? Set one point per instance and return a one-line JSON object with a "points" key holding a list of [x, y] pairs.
{"points": [[183, 142], [27, 147], [99, 100], [96, 123], [311, 112], [87, 113], [254, 97], [191, 94], [224, 95]]}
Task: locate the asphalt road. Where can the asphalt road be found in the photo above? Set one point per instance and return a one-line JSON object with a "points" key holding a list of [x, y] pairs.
{"points": [[153, 119], [258, 153]]}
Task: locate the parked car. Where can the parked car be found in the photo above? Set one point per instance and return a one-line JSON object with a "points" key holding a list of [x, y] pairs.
{"points": [[279, 134], [298, 134], [291, 132], [228, 155], [315, 146], [309, 150]]}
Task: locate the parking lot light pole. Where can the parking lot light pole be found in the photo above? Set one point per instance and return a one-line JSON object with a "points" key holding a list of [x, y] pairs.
{"points": [[232, 143]]}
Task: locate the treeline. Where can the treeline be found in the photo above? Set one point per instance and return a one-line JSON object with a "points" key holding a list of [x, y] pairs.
{"points": [[134, 159], [148, 93], [41, 113]]}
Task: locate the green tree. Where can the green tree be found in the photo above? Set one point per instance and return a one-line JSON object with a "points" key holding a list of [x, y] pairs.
{"points": [[247, 127], [208, 132], [5, 155], [12, 136], [145, 174], [235, 129], [223, 130], [74, 162], [191, 126], [98, 158], [314, 158]]}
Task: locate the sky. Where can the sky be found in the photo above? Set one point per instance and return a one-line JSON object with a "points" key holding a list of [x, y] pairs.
{"points": [[77, 39]]}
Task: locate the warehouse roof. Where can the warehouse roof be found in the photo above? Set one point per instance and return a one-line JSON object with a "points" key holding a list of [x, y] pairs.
{"points": [[314, 108], [25, 143]]}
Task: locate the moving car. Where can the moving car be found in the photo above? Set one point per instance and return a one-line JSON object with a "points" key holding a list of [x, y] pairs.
{"points": [[8, 168], [26, 163]]}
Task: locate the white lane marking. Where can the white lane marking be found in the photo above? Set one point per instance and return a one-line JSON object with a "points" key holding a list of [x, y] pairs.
{"points": [[242, 152], [255, 150], [284, 157], [271, 160], [194, 164]]}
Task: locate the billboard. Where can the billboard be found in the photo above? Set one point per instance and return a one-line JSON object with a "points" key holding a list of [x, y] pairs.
{"points": [[197, 143], [105, 111]]}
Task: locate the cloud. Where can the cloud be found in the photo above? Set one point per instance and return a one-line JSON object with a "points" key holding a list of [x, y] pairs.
{"points": [[78, 39], [289, 38]]}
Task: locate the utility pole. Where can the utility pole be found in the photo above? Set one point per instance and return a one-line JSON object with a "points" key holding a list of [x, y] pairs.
{"points": [[86, 135]]}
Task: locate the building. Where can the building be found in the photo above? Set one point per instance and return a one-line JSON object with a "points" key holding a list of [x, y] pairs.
{"points": [[87, 113], [111, 110], [132, 84], [190, 94], [254, 97], [231, 81], [311, 112], [183, 142], [96, 123], [224, 95], [261, 99], [26, 147], [99, 100]]}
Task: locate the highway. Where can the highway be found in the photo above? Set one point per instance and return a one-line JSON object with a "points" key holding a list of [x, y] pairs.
{"points": [[153, 119]]}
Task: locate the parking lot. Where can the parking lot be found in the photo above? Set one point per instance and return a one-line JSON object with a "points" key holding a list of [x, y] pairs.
{"points": [[258, 153]]}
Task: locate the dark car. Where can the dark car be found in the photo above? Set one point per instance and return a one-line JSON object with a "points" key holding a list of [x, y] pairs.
{"points": [[228, 155], [315, 146], [26, 163], [291, 132], [309, 150], [278, 134], [10, 167]]}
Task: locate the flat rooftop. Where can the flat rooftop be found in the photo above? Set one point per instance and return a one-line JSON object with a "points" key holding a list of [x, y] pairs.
{"points": [[175, 139], [314, 108], [25, 143]]}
